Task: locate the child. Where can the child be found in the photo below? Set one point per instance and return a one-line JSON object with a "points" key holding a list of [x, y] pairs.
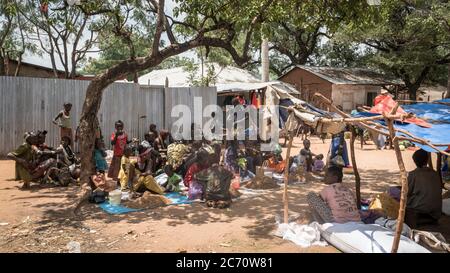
{"points": [[276, 161], [65, 122], [173, 180], [119, 139], [336, 202], [65, 155], [305, 158], [99, 155], [125, 165], [318, 163]]}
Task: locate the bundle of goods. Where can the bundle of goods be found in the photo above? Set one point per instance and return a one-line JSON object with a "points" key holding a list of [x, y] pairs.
{"points": [[176, 153], [261, 181], [148, 201]]}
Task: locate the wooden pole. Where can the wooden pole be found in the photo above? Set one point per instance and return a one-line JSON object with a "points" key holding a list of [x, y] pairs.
{"points": [[362, 140], [403, 180], [355, 168], [430, 161], [286, 179], [439, 166]]}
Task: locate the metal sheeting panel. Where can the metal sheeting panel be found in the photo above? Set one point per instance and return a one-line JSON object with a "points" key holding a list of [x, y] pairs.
{"points": [[31, 104]]}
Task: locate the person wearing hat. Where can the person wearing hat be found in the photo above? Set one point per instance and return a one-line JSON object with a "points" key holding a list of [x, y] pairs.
{"points": [[143, 174], [383, 94]]}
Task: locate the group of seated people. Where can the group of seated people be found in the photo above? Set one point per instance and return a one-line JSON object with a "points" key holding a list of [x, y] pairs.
{"points": [[37, 162], [336, 202], [138, 165]]}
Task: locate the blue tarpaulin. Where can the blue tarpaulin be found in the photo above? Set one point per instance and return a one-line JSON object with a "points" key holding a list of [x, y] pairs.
{"points": [[438, 115]]}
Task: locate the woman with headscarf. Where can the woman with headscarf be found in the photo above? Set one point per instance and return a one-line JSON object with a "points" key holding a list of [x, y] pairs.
{"points": [[143, 174], [29, 166]]}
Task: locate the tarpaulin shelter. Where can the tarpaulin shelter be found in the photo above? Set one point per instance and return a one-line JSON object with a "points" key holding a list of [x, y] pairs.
{"points": [[437, 114]]}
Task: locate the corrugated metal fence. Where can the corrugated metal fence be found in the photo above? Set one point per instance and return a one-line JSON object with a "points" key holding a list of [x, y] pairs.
{"points": [[32, 103]]}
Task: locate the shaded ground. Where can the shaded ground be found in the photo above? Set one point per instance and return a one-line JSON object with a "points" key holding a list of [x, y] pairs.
{"points": [[37, 219]]}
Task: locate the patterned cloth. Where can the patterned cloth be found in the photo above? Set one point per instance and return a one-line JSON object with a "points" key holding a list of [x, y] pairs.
{"points": [[114, 168], [320, 207]]}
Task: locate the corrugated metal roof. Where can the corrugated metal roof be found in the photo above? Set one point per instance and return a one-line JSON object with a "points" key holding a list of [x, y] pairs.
{"points": [[337, 75], [179, 77]]}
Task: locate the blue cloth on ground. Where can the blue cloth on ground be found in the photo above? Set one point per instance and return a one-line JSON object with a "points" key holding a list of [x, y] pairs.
{"points": [[175, 197], [116, 209]]}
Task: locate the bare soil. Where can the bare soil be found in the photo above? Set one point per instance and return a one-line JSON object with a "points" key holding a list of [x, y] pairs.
{"points": [[37, 220]]}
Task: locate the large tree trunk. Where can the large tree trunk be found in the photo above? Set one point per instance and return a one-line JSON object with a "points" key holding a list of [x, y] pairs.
{"points": [[88, 126], [412, 91]]}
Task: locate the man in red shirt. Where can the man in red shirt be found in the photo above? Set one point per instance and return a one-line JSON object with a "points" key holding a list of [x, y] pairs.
{"points": [[384, 93]]}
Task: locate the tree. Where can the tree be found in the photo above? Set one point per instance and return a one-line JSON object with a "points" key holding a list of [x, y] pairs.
{"points": [[409, 41], [13, 37], [338, 54], [195, 23], [296, 32], [63, 31]]}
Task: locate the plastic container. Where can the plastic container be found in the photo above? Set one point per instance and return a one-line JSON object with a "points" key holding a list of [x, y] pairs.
{"points": [[115, 197]]}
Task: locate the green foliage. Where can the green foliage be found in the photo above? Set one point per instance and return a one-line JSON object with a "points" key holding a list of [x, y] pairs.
{"points": [[409, 37]]}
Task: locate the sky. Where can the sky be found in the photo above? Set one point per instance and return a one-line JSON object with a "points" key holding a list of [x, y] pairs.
{"points": [[44, 58]]}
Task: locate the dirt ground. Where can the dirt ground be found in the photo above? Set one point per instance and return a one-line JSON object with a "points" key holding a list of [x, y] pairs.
{"points": [[37, 220]]}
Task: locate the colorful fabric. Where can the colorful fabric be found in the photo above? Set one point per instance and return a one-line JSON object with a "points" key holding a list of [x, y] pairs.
{"points": [[114, 168], [379, 99], [277, 166], [147, 182], [125, 164], [342, 203], [386, 105], [193, 169], [320, 207], [120, 144], [230, 156], [173, 183], [318, 165], [100, 162]]}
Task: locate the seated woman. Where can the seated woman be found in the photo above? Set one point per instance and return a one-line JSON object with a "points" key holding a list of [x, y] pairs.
{"points": [[231, 156], [196, 189], [163, 140], [141, 173], [424, 201], [30, 163], [275, 160], [67, 169], [336, 202]]}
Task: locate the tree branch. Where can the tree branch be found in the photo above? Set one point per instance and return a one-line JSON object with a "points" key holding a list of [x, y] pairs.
{"points": [[159, 24]]}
